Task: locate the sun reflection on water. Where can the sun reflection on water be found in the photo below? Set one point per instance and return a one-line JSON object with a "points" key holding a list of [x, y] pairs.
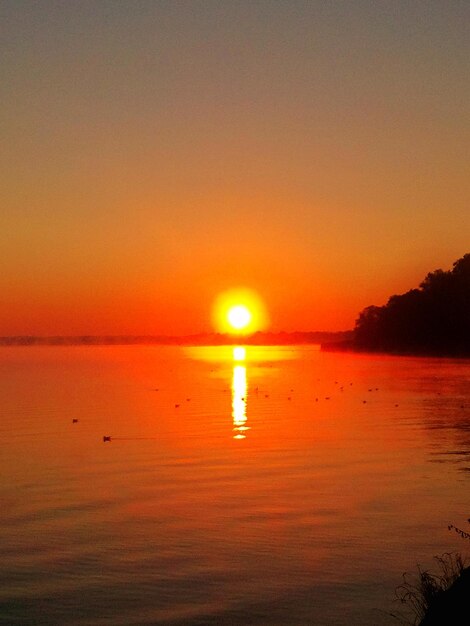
{"points": [[239, 353], [260, 359], [239, 389]]}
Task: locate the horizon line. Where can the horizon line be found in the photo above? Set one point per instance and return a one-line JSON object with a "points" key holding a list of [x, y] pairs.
{"points": [[218, 338]]}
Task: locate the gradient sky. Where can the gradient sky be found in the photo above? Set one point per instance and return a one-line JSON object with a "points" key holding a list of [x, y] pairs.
{"points": [[154, 154]]}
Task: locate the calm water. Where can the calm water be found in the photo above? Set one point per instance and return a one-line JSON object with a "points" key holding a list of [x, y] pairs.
{"points": [[287, 487]]}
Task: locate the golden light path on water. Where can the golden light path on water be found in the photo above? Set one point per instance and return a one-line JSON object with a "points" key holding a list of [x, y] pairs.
{"points": [[239, 394], [243, 360]]}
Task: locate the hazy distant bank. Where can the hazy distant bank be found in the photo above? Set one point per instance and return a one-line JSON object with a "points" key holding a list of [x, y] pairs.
{"points": [[209, 339]]}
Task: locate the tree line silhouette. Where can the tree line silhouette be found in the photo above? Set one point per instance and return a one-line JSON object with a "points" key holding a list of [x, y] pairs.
{"points": [[432, 319]]}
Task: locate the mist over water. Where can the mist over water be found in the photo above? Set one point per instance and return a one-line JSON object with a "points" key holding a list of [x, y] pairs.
{"points": [[274, 485]]}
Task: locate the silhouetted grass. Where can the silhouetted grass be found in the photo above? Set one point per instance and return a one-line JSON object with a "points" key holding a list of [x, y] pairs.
{"points": [[428, 595]]}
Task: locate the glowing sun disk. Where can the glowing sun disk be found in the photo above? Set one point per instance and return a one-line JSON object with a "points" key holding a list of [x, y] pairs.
{"points": [[239, 316], [239, 311]]}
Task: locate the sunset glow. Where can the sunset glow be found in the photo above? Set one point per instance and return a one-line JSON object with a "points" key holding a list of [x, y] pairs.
{"points": [[314, 151], [239, 311], [235, 295]]}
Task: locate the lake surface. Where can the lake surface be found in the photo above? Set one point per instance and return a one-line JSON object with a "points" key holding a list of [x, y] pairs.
{"points": [[278, 486]]}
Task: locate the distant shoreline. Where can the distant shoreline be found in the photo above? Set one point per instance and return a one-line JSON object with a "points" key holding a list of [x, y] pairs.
{"points": [[209, 339], [349, 346], [341, 341]]}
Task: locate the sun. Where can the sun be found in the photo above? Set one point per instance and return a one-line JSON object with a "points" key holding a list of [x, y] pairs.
{"points": [[239, 316], [240, 312]]}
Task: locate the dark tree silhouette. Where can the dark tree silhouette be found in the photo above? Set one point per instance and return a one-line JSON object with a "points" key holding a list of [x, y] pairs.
{"points": [[434, 319]]}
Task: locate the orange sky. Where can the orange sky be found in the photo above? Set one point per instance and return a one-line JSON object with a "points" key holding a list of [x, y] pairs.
{"points": [[155, 154]]}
